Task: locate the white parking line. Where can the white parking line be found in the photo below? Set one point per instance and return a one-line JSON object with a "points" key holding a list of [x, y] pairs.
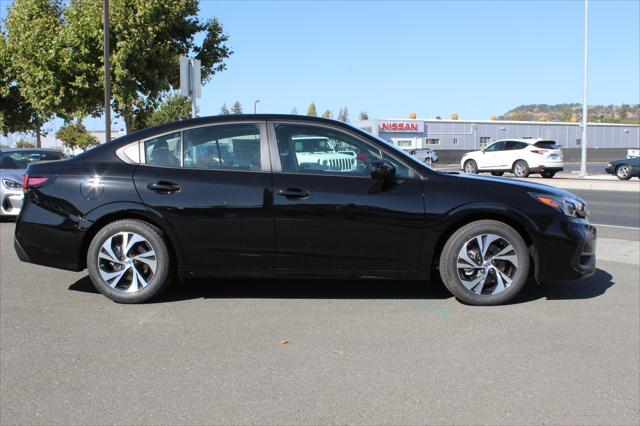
{"points": [[616, 226]]}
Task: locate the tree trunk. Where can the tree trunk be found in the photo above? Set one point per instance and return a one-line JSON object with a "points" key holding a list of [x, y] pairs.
{"points": [[38, 134]]}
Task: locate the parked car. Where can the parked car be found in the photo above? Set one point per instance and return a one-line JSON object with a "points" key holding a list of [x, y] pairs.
{"points": [[624, 169], [142, 208], [518, 156], [13, 163], [425, 155]]}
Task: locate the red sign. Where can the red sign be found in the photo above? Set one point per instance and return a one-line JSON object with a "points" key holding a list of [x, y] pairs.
{"points": [[401, 126]]}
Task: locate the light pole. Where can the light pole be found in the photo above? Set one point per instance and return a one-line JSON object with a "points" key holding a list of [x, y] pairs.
{"points": [[107, 72], [255, 106], [583, 158]]}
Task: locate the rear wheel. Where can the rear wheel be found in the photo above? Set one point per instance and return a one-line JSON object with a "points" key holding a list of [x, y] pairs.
{"points": [[471, 166], [484, 263], [548, 175], [521, 169], [129, 262], [623, 172], [497, 173]]}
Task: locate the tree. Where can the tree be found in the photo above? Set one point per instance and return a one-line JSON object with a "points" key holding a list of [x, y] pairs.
{"points": [[343, 115], [294, 111], [327, 114], [23, 143], [236, 108], [74, 135], [454, 116], [623, 111], [311, 111], [363, 115], [174, 107], [56, 50], [224, 110]]}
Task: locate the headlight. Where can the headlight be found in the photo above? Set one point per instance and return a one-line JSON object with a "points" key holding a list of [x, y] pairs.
{"points": [[11, 184], [567, 205]]}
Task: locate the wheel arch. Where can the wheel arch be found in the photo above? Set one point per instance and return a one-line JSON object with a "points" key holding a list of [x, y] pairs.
{"points": [[100, 219]]}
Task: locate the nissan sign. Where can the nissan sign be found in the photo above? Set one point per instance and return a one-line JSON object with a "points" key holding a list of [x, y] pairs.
{"points": [[402, 126]]}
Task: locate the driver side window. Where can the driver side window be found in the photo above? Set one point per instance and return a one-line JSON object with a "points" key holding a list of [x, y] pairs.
{"points": [[498, 146], [316, 149]]}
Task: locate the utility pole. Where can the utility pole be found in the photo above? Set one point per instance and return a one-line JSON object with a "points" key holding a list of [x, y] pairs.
{"points": [[107, 72], [583, 159], [255, 103]]}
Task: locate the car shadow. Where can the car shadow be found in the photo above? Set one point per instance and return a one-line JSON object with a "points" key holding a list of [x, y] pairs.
{"points": [[587, 288]]}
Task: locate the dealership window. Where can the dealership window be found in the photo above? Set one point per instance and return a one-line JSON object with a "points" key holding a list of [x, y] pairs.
{"points": [[404, 143], [527, 137], [231, 147], [455, 141], [578, 142], [163, 150], [484, 141], [432, 141]]}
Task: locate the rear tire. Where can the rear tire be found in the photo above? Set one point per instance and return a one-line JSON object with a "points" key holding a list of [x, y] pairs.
{"points": [[623, 172], [129, 261], [497, 173], [548, 175], [470, 166], [491, 274], [521, 169]]}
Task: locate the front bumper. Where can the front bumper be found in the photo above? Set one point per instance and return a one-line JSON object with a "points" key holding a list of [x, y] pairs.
{"points": [[11, 202], [610, 170], [567, 251]]}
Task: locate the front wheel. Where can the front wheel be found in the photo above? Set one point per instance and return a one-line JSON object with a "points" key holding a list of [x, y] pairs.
{"points": [[623, 172], [485, 263], [128, 261], [521, 169], [548, 175], [471, 166]]}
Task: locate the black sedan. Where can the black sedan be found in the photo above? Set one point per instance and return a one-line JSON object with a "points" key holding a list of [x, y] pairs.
{"points": [[624, 169], [243, 196]]}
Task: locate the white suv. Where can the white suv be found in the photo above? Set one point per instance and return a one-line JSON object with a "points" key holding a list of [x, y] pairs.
{"points": [[519, 156]]}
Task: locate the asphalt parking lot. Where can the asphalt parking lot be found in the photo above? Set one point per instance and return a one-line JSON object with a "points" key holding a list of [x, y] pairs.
{"points": [[318, 352]]}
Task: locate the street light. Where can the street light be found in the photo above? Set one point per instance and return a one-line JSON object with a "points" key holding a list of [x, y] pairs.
{"points": [[583, 157], [255, 103]]}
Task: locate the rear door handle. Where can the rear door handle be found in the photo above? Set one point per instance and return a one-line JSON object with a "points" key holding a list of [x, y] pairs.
{"points": [[164, 186], [293, 193]]}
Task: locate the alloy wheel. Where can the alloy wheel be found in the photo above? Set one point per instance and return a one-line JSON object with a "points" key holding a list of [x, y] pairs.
{"points": [[623, 171], [487, 264], [470, 167], [519, 169], [127, 262]]}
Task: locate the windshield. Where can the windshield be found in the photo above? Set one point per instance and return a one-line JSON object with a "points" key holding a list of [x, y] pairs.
{"points": [[21, 159]]}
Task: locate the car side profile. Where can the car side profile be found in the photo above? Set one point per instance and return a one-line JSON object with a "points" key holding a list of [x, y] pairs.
{"points": [[238, 196], [425, 155], [518, 156], [624, 169]]}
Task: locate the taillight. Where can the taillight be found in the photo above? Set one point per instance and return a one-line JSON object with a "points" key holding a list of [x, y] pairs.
{"points": [[29, 181]]}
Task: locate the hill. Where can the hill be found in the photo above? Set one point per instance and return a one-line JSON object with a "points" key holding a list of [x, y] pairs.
{"points": [[628, 114]]}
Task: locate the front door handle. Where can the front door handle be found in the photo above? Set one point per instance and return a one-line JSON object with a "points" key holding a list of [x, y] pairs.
{"points": [[293, 193], [164, 187]]}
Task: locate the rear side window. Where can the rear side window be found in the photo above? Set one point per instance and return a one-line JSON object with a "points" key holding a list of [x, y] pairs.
{"points": [[546, 145], [163, 150], [230, 147]]}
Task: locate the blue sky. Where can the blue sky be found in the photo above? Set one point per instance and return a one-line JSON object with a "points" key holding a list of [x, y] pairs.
{"points": [[474, 58]]}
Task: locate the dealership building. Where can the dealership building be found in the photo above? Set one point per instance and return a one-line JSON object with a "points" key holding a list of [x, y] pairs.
{"points": [[450, 138]]}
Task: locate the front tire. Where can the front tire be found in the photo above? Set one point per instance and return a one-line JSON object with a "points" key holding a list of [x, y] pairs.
{"points": [[623, 172], [485, 263], [521, 169], [470, 166], [129, 262]]}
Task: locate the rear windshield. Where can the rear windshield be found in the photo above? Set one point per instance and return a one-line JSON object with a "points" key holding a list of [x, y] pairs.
{"points": [[546, 144], [21, 159]]}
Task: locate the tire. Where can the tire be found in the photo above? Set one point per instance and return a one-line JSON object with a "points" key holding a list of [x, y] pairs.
{"points": [[147, 267], [489, 289], [470, 166], [623, 171], [497, 173], [520, 169], [548, 175]]}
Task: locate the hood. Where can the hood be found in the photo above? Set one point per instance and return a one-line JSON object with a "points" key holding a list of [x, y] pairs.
{"points": [[518, 185], [13, 174]]}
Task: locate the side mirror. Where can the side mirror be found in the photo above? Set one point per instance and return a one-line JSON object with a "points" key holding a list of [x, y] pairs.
{"points": [[483, 150], [382, 170]]}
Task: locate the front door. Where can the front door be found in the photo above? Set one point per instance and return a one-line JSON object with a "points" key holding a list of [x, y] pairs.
{"points": [[493, 157], [330, 215], [212, 185]]}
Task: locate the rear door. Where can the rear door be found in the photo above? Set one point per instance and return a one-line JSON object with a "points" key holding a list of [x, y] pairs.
{"points": [[514, 151], [330, 215], [212, 185]]}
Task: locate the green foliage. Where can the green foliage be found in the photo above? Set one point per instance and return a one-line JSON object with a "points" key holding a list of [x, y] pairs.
{"points": [[173, 108], [626, 114], [56, 50], [363, 115], [236, 108], [311, 111], [75, 135], [23, 143], [343, 115], [224, 110], [327, 114]]}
